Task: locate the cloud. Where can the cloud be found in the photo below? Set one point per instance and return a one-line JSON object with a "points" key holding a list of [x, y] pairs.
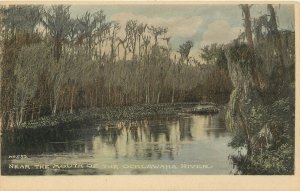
{"points": [[178, 26], [220, 32]]}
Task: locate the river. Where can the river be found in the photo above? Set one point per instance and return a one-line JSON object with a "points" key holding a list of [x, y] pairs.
{"points": [[185, 144]]}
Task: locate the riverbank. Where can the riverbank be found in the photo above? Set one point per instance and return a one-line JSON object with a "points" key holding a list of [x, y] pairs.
{"points": [[203, 110], [122, 113]]}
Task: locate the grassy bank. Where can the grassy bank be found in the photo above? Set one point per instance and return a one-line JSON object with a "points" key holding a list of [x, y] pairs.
{"points": [[116, 113]]}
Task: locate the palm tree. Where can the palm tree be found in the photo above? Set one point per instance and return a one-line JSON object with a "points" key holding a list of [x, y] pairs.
{"points": [[141, 28], [57, 21], [20, 19], [157, 31], [102, 30], [86, 27], [115, 28], [131, 33], [184, 50]]}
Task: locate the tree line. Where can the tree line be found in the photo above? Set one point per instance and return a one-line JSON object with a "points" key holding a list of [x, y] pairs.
{"points": [[53, 63]]}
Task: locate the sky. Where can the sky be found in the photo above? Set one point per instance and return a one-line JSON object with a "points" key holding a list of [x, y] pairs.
{"points": [[202, 24]]}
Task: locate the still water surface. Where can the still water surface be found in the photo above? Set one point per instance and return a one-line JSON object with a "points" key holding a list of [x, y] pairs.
{"points": [[188, 144]]}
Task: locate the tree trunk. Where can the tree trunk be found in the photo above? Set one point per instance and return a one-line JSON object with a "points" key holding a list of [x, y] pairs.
{"points": [[39, 113], [247, 20], [4, 120], [11, 120], [158, 97], [173, 92], [32, 112], [139, 46], [58, 48], [20, 118], [275, 34], [55, 106], [51, 104], [146, 96], [100, 50], [118, 51], [96, 95], [109, 93], [72, 99], [125, 53], [1, 120], [273, 23], [91, 100], [153, 96], [245, 126]]}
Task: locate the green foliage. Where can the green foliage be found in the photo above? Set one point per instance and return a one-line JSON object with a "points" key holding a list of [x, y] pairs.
{"points": [[62, 64], [32, 62], [157, 31], [57, 20], [258, 118], [20, 18], [184, 49], [278, 157], [217, 86], [238, 139], [242, 54], [270, 162], [214, 54], [268, 105], [231, 110]]}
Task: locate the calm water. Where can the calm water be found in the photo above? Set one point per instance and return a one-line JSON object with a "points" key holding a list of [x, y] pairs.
{"points": [[188, 144]]}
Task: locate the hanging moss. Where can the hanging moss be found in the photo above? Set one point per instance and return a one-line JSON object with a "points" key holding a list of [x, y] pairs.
{"points": [[243, 55], [265, 94]]}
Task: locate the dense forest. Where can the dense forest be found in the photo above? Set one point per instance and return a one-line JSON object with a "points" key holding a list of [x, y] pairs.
{"points": [[52, 63], [261, 110]]}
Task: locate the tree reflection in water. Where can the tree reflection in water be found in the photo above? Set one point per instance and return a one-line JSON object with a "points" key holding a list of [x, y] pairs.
{"points": [[179, 139]]}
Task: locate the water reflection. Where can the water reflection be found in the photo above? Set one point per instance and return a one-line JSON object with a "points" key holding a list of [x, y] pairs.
{"points": [[187, 138]]}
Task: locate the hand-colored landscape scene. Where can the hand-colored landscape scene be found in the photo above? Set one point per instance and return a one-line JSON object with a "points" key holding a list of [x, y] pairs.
{"points": [[147, 89]]}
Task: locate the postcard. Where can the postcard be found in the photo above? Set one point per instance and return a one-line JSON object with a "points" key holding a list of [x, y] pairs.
{"points": [[175, 94]]}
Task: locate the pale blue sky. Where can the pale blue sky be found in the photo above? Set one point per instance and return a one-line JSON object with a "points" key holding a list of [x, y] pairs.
{"points": [[203, 24]]}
